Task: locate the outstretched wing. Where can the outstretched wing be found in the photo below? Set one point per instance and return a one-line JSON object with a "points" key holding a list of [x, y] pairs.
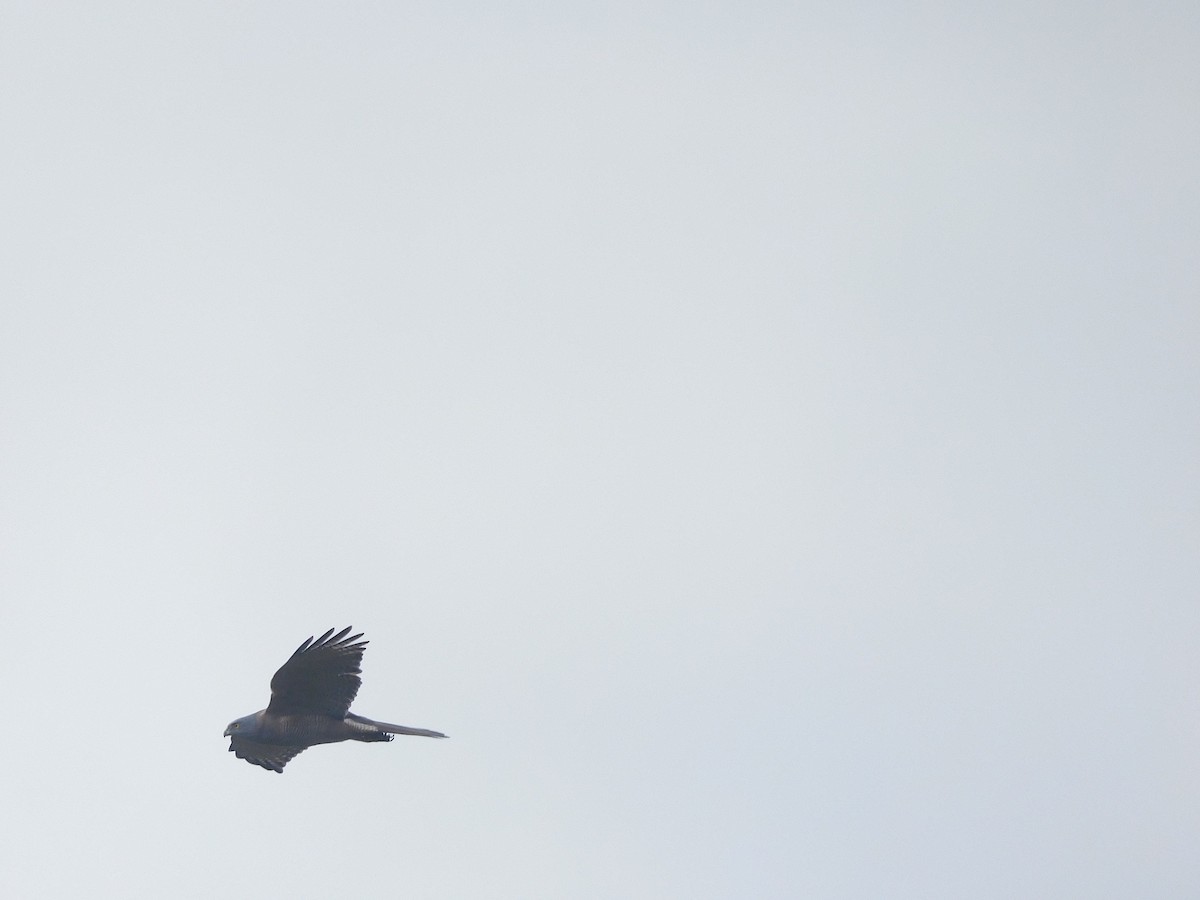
{"points": [[320, 678], [269, 756]]}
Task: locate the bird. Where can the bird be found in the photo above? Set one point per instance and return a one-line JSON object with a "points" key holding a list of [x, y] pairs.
{"points": [[310, 704]]}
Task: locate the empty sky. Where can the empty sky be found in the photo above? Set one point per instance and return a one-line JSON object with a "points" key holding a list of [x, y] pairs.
{"points": [[762, 435]]}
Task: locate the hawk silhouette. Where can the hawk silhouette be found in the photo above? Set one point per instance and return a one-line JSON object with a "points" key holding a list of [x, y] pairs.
{"points": [[310, 704]]}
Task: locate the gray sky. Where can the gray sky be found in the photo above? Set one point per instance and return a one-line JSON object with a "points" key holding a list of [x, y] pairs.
{"points": [[763, 436]]}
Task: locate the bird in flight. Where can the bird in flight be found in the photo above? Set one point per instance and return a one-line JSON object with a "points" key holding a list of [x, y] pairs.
{"points": [[310, 704]]}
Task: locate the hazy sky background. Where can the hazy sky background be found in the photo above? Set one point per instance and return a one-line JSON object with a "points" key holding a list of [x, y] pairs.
{"points": [[764, 436]]}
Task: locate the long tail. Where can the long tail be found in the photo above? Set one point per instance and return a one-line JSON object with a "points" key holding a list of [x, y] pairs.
{"points": [[395, 729]]}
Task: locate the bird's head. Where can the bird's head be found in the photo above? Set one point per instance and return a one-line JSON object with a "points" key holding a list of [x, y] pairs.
{"points": [[246, 726]]}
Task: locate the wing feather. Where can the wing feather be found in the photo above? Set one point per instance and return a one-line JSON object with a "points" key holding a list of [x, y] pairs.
{"points": [[321, 677], [269, 756]]}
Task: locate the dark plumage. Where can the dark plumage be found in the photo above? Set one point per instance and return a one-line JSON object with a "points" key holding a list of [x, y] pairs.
{"points": [[310, 704]]}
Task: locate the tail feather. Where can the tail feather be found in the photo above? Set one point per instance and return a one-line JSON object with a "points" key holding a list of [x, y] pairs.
{"points": [[395, 729], [404, 729]]}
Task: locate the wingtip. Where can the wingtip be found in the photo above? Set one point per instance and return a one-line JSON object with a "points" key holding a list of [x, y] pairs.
{"points": [[329, 639]]}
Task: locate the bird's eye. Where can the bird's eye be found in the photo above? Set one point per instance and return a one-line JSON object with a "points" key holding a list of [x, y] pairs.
{"points": [[235, 725]]}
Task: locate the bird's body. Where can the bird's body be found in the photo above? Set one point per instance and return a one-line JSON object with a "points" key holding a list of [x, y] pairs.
{"points": [[310, 704]]}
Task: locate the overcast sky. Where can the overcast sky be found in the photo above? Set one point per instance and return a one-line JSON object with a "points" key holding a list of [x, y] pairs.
{"points": [[764, 436]]}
